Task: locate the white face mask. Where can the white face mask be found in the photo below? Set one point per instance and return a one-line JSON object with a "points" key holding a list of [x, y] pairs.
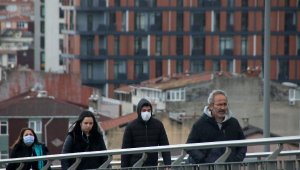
{"points": [[145, 116]]}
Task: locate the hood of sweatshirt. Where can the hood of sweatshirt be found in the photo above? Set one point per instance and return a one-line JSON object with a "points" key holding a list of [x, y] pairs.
{"points": [[142, 103], [228, 114]]}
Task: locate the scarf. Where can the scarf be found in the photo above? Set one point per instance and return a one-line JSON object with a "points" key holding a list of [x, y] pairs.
{"points": [[39, 152]]}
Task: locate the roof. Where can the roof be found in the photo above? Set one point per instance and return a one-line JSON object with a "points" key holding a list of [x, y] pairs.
{"points": [[18, 19], [29, 106], [124, 89], [176, 81], [110, 124], [251, 130]]}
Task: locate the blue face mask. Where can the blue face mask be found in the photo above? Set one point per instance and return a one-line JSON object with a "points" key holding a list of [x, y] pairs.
{"points": [[28, 140]]}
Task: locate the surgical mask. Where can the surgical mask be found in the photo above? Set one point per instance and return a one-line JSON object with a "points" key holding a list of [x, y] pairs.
{"points": [[28, 140], [146, 116]]}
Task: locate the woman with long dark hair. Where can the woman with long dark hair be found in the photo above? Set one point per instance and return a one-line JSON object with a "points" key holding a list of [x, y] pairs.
{"points": [[84, 136], [27, 145]]}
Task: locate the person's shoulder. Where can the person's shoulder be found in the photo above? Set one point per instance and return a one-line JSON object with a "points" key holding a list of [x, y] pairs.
{"points": [[132, 123], [156, 121]]}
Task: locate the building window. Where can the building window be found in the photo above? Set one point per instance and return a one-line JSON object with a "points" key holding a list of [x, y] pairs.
{"points": [[120, 70], [158, 46], [140, 45], [290, 21], [21, 25], [42, 10], [141, 69], [244, 21], [226, 45], [198, 45], [158, 68], [43, 60], [198, 21], [216, 21], [180, 3], [102, 45], [42, 43], [244, 46], [89, 71], [3, 154], [197, 66], [155, 21], [179, 24], [3, 127], [179, 45], [112, 21], [124, 21], [89, 46], [117, 45], [89, 22], [89, 3], [216, 65], [244, 3], [286, 45], [244, 65], [287, 3], [230, 21], [42, 26], [141, 21], [36, 125], [176, 95], [145, 3], [283, 67], [230, 3], [179, 66], [229, 66]]}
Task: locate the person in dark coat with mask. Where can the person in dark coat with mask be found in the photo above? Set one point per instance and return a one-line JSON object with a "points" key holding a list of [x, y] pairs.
{"points": [[144, 131], [85, 136], [216, 124], [27, 145]]}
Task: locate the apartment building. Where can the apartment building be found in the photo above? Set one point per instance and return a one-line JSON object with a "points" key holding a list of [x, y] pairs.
{"points": [[48, 23], [117, 42]]}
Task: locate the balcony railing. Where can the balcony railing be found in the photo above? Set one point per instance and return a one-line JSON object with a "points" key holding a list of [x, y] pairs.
{"points": [[255, 161]]}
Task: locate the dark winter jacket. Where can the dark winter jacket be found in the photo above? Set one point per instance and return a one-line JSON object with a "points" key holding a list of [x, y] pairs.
{"points": [[206, 129], [21, 150], [143, 134], [83, 144]]}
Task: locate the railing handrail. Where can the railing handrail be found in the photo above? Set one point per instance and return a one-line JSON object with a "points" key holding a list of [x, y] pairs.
{"points": [[207, 145]]}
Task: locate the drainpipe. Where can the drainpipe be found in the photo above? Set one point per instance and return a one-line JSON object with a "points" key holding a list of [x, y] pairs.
{"points": [[45, 131]]}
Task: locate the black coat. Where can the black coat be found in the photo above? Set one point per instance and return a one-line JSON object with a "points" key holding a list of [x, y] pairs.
{"points": [[206, 129], [139, 133], [81, 144], [21, 150]]}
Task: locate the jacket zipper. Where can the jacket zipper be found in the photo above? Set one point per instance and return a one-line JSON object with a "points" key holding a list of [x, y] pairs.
{"points": [[146, 134]]}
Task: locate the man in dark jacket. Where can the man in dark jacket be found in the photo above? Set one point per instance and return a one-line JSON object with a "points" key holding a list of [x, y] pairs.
{"points": [[216, 124], [144, 131]]}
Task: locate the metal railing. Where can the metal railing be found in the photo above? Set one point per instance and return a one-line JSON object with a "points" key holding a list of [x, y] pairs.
{"points": [[268, 162]]}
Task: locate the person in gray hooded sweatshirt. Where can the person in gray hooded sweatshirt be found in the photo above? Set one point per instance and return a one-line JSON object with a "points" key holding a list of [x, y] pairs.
{"points": [[144, 131], [216, 124]]}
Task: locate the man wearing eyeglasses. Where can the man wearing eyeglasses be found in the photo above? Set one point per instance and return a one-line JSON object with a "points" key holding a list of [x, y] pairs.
{"points": [[216, 124]]}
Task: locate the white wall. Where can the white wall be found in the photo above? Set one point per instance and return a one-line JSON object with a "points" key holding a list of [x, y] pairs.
{"points": [[52, 36]]}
